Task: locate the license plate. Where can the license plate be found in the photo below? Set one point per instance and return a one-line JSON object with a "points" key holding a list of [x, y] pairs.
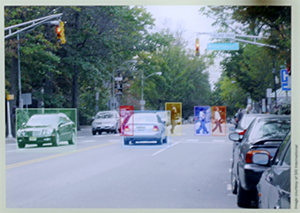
{"points": [[140, 128], [32, 139]]}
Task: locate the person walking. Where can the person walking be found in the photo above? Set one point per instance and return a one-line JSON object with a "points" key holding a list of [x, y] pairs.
{"points": [[218, 120], [202, 116], [173, 118]]}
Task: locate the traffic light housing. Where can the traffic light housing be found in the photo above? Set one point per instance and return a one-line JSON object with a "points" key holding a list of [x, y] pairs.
{"points": [[197, 47], [60, 32], [289, 67]]}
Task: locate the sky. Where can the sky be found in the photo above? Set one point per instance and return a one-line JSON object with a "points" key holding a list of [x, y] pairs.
{"points": [[186, 18]]}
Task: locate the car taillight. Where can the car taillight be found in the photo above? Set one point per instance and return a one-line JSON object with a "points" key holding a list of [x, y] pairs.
{"points": [[126, 128], [250, 154], [243, 132], [155, 128]]}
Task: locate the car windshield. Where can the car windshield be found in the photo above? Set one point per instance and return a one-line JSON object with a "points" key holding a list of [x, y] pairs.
{"points": [[104, 116], [246, 121], [143, 118], [162, 114], [270, 128], [42, 120]]}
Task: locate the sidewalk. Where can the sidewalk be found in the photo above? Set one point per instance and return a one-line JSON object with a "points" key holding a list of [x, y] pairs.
{"points": [[83, 129]]}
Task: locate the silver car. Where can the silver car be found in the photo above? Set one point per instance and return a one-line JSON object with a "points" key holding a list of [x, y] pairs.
{"points": [[145, 127], [106, 121]]}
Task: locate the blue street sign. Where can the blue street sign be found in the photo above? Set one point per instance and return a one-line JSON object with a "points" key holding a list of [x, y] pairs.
{"points": [[223, 46], [285, 80]]}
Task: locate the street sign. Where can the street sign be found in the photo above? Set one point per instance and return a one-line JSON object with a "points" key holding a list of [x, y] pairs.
{"points": [[223, 35], [27, 100], [285, 80], [269, 91], [10, 97], [112, 103], [223, 46], [118, 78]]}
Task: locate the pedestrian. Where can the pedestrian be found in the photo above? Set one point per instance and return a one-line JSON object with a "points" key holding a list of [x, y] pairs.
{"points": [[218, 120], [239, 117], [202, 117], [173, 117]]}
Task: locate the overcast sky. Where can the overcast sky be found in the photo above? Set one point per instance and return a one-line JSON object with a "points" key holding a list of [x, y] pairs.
{"points": [[188, 19]]}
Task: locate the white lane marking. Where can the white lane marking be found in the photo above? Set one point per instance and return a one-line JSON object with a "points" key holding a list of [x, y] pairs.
{"points": [[218, 140], [231, 160], [228, 187], [87, 141], [229, 170], [161, 150]]}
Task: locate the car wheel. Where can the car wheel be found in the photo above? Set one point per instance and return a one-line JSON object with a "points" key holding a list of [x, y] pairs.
{"points": [[72, 140], [56, 142], [165, 140], [126, 141], [99, 132], [233, 182], [115, 131], [94, 132], [160, 141], [244, 198], [21, 145]]}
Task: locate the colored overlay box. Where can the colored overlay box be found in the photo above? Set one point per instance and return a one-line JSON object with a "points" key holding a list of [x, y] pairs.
{"points": [[125, 113], [202, 120], [218, 121], [176, 118]]}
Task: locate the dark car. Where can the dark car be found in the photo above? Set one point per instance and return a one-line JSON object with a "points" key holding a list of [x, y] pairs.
{"points": [[47, 128], [264, 135], [243, 125], [274, 187]]}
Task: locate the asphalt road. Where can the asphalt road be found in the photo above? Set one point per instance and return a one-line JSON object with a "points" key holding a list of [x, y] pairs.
{"points": [[99, 172]]}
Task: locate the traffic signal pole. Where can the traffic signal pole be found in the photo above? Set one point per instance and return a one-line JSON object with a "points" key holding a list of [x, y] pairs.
{"points": [[27, 26]]}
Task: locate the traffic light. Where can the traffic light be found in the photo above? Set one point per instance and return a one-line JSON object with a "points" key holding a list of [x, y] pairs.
{"points": [[197, 47], [289, 67], [60, 32]]}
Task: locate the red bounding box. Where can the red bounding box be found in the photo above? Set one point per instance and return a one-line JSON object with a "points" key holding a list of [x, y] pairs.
{"points": [[126, 112]]}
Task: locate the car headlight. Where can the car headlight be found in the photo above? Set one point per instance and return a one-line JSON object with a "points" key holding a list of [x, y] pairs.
{"points": [[47, 131], [20, 133]]}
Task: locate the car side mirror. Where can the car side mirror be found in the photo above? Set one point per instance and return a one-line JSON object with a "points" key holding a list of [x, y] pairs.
{"points": [[234, 136], [261, 159]]}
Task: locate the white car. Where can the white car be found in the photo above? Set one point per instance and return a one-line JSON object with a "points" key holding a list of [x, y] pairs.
{"points": [[106, 121], [145, 127]]}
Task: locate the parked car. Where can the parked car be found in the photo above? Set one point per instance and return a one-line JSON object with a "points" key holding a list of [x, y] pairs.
{"points": [[47, 128], [264, 135], [242, 127], [106, 121], [274, 187], [145, 127]]}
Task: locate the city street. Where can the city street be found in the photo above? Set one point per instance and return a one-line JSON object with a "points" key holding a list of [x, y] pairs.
{"points": [[99, 172]]}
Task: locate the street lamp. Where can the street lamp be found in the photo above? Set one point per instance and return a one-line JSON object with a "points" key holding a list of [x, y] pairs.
{"points": [[142, 99]]}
